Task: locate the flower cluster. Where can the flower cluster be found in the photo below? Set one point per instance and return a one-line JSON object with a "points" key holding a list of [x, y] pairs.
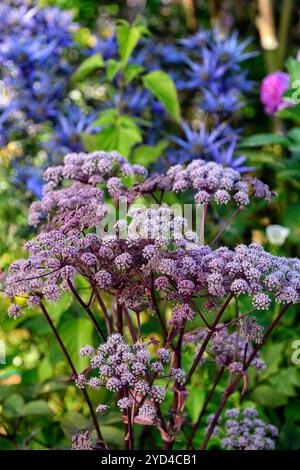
{"points": [[227, 349], [244, 430], [156, 242], [87, 172], [214, 274], [82, 441], [157, 262], [250, 330], [212, 182], [128, 369]]}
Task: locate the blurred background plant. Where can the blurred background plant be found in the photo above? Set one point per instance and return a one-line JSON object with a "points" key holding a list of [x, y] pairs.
{"points": [[182, 81]]}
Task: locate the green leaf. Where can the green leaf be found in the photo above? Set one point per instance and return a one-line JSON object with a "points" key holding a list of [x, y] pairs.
{"points": [[72, 422], [292, 411], [259, 140], [82, 36], [268, 396], [37, 408], [56, 310], [76, 331], [195, 402], [294, 134], [293, 67], [282, 383], [90, 142], [13, 406], [163, 88], [132, 71], [112, 68], [290, 436], [106, 117], [291, 219], [128, 37], [120, 136], [290, 113], [88, 66], [147, 154], [272, 355], [112, 434]]}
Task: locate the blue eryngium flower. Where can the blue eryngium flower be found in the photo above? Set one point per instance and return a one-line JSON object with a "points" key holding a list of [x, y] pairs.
{"points": [[25, 175], [204, 74], [68, 127], [218, 144], [201, 39], [222, 104], [32, 57], [200, 143], [230, 50], [226, 155]]}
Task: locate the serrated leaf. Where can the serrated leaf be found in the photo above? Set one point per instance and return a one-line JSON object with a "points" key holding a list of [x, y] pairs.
{"points": [[121, 136], [161, 85]]}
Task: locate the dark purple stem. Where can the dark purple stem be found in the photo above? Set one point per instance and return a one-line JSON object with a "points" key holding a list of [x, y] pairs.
{"points": [[227, 223], [203, 410], [73, 369], [231, 387], [87, 309], [206, 341]]}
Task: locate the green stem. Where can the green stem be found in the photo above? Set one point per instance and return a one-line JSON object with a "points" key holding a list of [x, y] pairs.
{"points": [[284, 30]]}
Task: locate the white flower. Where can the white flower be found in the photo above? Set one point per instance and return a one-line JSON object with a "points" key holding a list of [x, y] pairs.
{"points": [[277, 234]]}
